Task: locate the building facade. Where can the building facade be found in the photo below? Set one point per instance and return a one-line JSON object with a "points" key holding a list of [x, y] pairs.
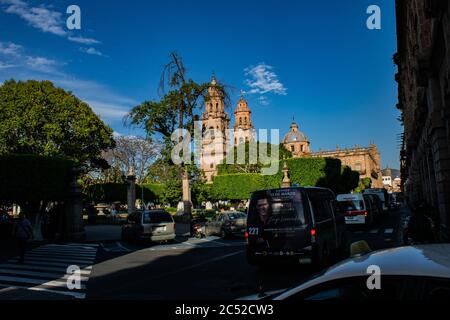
{"points": [[423, 60], [243, 129], [215, 123], [216, 136], [365, 160]]}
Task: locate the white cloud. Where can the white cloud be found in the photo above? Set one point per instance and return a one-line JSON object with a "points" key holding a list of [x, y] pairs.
{"points": [[108, 110], [263, 101], [38, 17], [43, 65], [92, 51], [263, 80], [9, 48], [5, 65], [44, 19], [83, 40]]}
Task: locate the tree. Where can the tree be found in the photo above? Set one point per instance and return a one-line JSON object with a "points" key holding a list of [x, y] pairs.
{"points": [[246, 167], [133, 152], [38, 118], [175, 110]]}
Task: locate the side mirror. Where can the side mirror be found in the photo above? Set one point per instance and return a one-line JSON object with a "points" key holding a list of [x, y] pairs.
{"points": [[359, 248]]}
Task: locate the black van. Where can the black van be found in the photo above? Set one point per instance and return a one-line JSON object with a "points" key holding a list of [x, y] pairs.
{"points": [[301, 224]]}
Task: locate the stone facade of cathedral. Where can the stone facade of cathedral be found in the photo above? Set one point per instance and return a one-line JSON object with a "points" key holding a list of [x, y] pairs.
{"points": [[215, 122]]}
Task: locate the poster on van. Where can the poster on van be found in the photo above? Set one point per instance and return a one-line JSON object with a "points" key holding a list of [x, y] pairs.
{"points": [[274, 218]]}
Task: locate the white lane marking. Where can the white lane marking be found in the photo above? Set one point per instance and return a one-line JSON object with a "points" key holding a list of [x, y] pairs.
{"points": [[39, 268], [52, 254], [70, 248], [198, 264], [388, 230], [122, 247], [40, 274], [41, 282], [53, 264], [104, 248], [82, 244], [33, 257], [374, 231], [38, 288]]}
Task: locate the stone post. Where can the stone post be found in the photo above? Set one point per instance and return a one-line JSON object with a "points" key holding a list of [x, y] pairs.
{"points": [[187, 203], [131, 190], [73, 228], [286, 183]]}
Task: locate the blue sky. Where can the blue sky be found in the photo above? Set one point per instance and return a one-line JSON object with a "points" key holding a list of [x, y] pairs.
{"points": [[314, 60]]}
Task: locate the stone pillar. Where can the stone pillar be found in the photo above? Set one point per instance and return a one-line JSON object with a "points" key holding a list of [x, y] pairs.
{"points": [[131, 190], [73, 228], [187, 203], [286, 183]]}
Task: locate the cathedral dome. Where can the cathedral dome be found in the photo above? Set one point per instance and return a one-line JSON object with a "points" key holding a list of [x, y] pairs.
{"points": [[294, 135]]}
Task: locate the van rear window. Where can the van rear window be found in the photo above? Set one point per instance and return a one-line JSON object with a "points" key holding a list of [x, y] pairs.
{"points": [[277, 209], [351, 205], [157, 217]]}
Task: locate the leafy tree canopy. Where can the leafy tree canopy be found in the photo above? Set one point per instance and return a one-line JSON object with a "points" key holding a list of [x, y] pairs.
{"points": [[38, 118]]}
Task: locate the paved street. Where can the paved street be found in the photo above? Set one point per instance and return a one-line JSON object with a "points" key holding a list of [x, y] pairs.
{"points": [[210, 268]]}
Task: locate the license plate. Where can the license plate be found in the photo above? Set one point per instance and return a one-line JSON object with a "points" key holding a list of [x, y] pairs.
{"points": [[355, 220]]}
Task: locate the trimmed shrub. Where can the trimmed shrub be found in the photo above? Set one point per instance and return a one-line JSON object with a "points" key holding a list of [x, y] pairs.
{"points": [[112, 192], [34, 178], [316, 172]]}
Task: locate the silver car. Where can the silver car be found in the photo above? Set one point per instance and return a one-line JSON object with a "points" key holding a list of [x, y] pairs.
{"points": [[151, 225]]}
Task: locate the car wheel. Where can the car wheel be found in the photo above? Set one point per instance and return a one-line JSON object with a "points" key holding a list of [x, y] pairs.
{"points": [[223, 234]]}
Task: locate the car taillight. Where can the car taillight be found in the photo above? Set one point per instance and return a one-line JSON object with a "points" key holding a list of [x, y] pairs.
{"points": [[246, 235], [365, 213], [313, 235]]}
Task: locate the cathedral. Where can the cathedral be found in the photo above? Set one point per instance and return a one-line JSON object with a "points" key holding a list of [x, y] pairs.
{"points": [[216, 138]]}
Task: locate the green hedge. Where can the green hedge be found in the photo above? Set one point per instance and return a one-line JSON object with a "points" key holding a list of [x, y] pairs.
{"points": [[111, 192], [34, 178], [318, 172]]}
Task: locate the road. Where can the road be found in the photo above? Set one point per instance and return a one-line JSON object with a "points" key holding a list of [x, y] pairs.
{"points": [[189, 269]]}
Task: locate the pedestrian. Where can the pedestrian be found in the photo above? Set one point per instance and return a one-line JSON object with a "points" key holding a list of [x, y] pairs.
{"points": [[22, 232], [420, 225]]}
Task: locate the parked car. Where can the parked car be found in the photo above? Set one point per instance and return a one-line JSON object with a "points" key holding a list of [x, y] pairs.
{"points": [[226, 224], [6, 226], [357, 208], [149, 225], [383, 195], [407, 273], [377, 205], [299, 224]]}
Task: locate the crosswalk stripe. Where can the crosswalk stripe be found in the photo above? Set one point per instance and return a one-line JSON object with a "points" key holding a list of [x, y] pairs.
{"points": [[39, 274], [77, 295], [39, 268], [389, 231], [60, 254], [83, 244], [42, 282], [45, 269], [70, 248], [51, 259], [52, 264]]}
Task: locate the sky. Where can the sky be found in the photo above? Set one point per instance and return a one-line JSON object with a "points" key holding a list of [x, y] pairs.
{"points": [[313, 60]]}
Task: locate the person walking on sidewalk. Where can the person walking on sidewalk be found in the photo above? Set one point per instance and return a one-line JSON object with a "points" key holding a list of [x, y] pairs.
{"points": [[23, 232]]}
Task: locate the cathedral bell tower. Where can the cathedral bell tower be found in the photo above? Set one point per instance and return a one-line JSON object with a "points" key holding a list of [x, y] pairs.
{"points": [[215, 122], [243, 129]]}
